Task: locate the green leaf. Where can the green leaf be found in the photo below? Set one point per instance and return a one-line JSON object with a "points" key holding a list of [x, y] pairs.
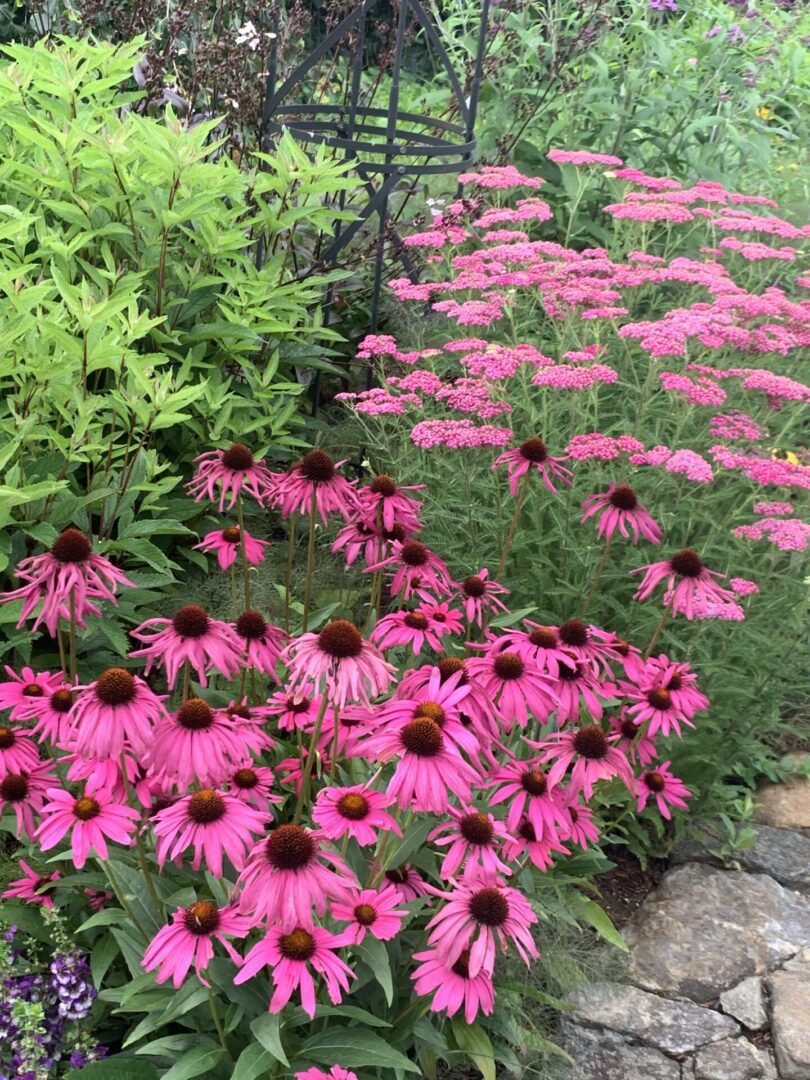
{"points": [[597, 917], [107, 917], [474, 1041], [114, 1069], [354, 1047], [267, 1029], [194, 1062], [104, 952], [254, 1061], [374, 954]]}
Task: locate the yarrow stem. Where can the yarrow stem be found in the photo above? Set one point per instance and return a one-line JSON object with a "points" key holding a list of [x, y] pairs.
{"points": [[510, 535], [310, 562], [600, 566], [306, 768]]}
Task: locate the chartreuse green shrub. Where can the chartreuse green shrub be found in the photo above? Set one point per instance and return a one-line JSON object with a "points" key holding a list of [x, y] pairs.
{"points": [[136, 319]]}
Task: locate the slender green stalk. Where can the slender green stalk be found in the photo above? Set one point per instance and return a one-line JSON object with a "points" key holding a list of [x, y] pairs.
{"points": [[60, 640], [212, 1005], [288, 576], [240, 513], [310, 564], [656, 633], [306, 769], [74, 667], [510, 535], [600, 566], [334, 750], [140, 849]]}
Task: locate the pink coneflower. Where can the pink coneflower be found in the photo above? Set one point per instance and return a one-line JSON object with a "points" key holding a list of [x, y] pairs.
{"points": [[419, 571], [440, 697], [335, 1073], [415, 628], [200, 744], [189, 939], [583, 830], [293, 711], [454, 985], [539, 848], [51, 714], [315, 484], [442, 618], [353, 810], [288, 953], [235, 471], [514, 685], [678, 679], [408, 882], [338, 659], [24, 793], [540, 645], [591, 755], [89, 819], [226, 544], [473, 838], [253, 784], [33, 888], [17, 752], [352, 723], [480, 596], [589, 645], [191, 637], [429, 763], [477, 708], [68, 574], [667, 789], [655, 706], [97, 899], [533, 454], [478, 915], [263, 643], [384, 504], [619, 508], [687, 579], [358, 538], [116, 710], [579, 686], [105, 775], [286, 876], [27, 688], [370, 912], [215, 823], [524, 783], [633, 740]]}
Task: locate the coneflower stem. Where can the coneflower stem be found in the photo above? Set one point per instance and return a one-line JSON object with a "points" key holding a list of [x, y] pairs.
{"points": [[288, 577], [186, 682], [74, 669], [510, 535], [212, 1005], [140, 849], [307, 764], [240, 513], [61, 643], [310, 563], [333, 761], [656, 634], [596, 576]]}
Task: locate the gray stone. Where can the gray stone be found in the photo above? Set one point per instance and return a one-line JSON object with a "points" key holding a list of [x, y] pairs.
{"points": [[731, 1059], [746, 1003], [799, 962], [603, 1055], [704, 930], [781, 853], [787, 805], [790, 1003], [675, 1027]]}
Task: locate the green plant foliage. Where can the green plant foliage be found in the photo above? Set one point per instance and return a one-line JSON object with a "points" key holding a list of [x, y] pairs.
{"points": [[136, 320]]}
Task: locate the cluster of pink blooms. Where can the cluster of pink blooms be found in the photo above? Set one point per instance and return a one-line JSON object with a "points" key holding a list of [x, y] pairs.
{"points": [[503, 744]]}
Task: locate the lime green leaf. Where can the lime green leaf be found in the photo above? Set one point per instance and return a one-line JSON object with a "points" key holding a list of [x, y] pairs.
{"points": [[597, 917], [474, 1041]]}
